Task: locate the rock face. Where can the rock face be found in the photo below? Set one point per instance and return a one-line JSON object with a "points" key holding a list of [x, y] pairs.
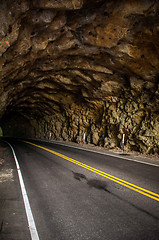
{"points": [[81, 70]]}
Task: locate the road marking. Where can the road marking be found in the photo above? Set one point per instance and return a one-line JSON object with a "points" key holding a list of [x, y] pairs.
{"points": [[129, 185], [103, 153], [107, 154], [31, 222]]}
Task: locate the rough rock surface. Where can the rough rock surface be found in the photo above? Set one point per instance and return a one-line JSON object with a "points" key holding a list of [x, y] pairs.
{"points": [[81, 70]]}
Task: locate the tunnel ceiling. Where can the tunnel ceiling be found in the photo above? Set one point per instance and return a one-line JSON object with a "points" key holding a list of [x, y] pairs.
{"points": [[57, 52]]}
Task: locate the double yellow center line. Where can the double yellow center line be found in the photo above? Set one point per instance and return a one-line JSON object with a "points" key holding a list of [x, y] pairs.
{"points": [[129, 185]]}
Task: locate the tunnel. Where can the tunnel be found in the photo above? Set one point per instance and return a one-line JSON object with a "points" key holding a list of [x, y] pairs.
{"points": [[84, 71]]}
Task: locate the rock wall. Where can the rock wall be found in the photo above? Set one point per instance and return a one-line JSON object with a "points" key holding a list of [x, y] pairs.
{"points": [[104, 126]]}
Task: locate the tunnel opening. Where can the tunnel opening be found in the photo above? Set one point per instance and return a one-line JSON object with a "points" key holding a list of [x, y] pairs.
{"points": [[64, 75], [16, 125], [1, 132]]}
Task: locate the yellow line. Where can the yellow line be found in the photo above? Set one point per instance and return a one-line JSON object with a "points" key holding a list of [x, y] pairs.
{"points": [[106, 175]]}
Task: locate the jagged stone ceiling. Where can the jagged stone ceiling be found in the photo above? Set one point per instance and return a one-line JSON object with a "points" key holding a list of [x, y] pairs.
{"points": [[57, 52]]}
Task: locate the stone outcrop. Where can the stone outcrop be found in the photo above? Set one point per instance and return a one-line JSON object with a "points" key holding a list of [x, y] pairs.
{"points": [[81, 70]]}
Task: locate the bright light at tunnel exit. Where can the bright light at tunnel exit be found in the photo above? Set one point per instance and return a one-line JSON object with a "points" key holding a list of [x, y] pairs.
{"points": [[1, 132]]}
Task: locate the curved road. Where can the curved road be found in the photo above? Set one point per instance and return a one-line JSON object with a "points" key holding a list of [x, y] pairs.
{"points": [[78, 195]]}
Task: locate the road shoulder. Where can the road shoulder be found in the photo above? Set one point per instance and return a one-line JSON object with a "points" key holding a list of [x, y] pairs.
{"points": [[13, 222]]}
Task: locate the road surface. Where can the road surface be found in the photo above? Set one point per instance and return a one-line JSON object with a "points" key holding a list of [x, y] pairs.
{"points": [[78, 195]]}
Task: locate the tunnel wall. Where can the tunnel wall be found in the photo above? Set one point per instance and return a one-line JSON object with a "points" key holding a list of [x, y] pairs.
{"points": [[81, 73], [101, 126]]}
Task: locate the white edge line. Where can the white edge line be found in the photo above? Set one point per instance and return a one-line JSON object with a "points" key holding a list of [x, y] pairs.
{"points": [[90, 150], [31, 222]]}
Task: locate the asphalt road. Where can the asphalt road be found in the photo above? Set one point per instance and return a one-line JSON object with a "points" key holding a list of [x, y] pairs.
{"points": [[74, 201]]}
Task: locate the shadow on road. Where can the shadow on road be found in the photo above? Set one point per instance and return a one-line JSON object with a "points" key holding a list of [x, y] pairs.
{"points": [[102, 185]]}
